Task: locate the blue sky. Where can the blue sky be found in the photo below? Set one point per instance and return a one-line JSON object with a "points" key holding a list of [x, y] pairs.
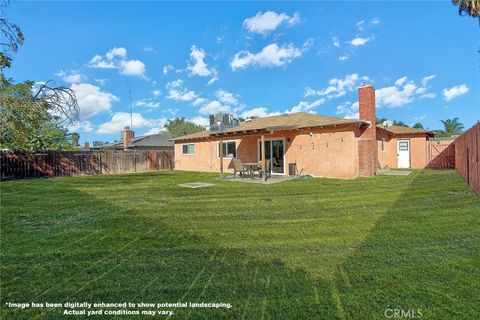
{"points": [[257, 58]]}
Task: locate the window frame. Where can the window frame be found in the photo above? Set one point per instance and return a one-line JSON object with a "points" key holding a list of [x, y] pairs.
{"points": [[226, 151], [188, 154]]}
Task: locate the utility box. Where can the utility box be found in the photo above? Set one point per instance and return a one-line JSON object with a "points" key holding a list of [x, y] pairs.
{"points": [[292, 169]]}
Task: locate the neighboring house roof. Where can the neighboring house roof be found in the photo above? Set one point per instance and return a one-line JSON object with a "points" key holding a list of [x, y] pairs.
{"points": [[394, 129], [276, 123], [159, 140]]}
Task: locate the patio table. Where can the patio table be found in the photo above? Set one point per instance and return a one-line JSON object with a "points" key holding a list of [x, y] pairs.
{"points": [[250, 166]]}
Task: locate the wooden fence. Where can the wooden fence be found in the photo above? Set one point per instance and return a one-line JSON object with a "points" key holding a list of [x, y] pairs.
{"points": [[441, 154], [71, 163], [467, 152]]}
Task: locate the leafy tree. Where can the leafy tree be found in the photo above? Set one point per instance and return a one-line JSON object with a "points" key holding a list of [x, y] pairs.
{"points": [[418, 125], [451, 127], [468, 7], [179, 127], [31, 118]]}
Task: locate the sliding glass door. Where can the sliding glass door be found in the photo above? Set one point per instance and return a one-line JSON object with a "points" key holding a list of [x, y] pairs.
{"points": [[274, 153]]}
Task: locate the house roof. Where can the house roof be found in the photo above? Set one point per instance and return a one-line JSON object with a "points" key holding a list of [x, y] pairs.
{"points": [[394, 129], [161, 139], [276, 123]]}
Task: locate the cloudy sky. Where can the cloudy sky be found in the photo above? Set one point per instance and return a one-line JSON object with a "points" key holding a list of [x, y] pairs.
{"points": [[250, 59]]}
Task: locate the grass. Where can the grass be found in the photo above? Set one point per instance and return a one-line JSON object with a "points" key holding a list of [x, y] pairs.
{"points": [[302, 249]]}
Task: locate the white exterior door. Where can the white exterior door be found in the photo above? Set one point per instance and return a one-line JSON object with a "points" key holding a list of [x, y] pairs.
{"points": [[403, 153]]}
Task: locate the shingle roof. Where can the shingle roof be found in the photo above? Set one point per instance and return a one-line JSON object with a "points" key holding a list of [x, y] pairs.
{"points": [[161, 139], [394, 129], [281, 122]]}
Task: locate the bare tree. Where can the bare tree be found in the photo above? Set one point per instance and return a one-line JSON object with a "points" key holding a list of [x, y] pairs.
{"points": [[62, 103], [468, 7]]}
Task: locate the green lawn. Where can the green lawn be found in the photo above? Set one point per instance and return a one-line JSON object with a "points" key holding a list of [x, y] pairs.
{"points": [[302, 249]]}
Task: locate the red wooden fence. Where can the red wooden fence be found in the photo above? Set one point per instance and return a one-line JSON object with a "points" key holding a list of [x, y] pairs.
{"points": [[467, 153], [441, 154], [70, 163]]}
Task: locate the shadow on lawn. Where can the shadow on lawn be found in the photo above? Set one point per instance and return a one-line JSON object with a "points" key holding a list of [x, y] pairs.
{"points": [[422, 254], [53, 253]]}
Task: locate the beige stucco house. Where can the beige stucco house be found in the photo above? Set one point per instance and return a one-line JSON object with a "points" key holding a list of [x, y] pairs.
{"points": [[317, 145]]}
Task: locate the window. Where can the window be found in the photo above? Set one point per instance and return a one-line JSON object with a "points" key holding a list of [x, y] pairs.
{"points": [[403, 146], [384, 145], [229, 149], [188, 148]]}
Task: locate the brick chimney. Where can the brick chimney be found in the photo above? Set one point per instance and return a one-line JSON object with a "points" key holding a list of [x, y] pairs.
{"points": [[86, 145], [127, 137], [367, 144]]}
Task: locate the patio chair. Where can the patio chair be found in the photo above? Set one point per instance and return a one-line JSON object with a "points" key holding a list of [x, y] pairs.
{"points": [[239, 168]]}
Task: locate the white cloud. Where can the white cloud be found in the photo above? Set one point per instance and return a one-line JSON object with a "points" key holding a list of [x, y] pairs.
{"points": [[359, 41], [227, 97], [213, 79], [71, 77], [154, 130], [201, 121], [81, 127], [270, 56], [453, 92], [121, 119], [116, 59], [428, 96], [116, 52], [264, 23], [98, 62], [343, 58], [156, 93], [197, 65], [426, 79], [167, 69], [259, 112], [336, 42], [92, 100], [132, 68], [403, 92], [375, 21], [177, 92], [304, 106], [338, 87], [199, 101], [215, 107], [400, 81], [147, 103], [348, 110], [101, 82], [398, 95], [149, 49]]}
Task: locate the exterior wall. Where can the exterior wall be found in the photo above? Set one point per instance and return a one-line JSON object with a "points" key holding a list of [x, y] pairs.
{"points": [[418, 152], [318, 152]]}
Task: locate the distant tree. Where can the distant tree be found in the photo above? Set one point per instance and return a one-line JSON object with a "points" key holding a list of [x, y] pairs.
{"points": [[31, 117], [179, 127], [468, 7], [381, 120], [451, 127], [400, 123], [74, 140], [418, 125]]}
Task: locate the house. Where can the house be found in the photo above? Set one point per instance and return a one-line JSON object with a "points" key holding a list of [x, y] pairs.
{"points": [[317, 145], [159, 141]]}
